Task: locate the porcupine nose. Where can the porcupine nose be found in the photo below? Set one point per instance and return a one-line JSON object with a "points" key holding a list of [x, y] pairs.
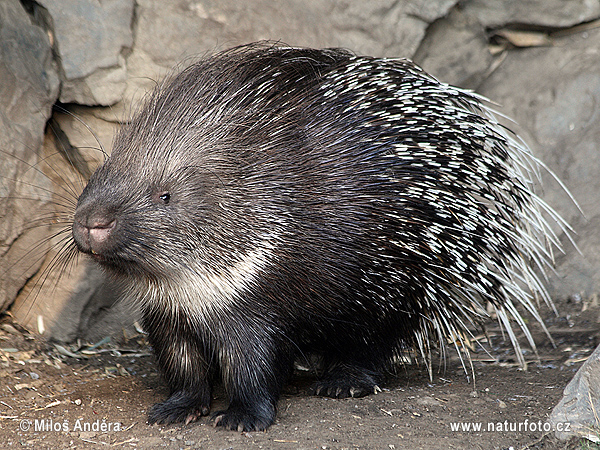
{"points": [[92, 234]]}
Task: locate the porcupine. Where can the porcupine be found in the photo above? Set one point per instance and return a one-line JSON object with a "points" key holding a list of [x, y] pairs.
{"points": [[270, 202]]}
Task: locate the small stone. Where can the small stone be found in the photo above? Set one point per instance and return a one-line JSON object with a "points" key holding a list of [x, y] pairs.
{"points": [[9, 329], [428, 401]]}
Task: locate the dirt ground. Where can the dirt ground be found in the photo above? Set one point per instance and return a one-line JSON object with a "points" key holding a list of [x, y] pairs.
{"points": [[59, 397]]}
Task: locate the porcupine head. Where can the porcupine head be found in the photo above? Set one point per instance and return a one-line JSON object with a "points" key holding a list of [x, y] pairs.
{"points": [[267, 203]]}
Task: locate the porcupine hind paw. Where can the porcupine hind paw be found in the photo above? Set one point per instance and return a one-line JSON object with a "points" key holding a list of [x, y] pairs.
{"points": [[239, 418], [344, 381], [179, 407]]}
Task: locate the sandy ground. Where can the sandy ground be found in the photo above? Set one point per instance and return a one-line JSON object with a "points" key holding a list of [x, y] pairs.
{"points": [[74, 397]]}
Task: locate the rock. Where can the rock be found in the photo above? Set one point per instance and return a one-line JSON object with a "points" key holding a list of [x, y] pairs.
{"points": [[91, 38], [455, 51], [90, 131], [580, 403], [29, 88], [428, 401], [540, 13], [84, 305], [557, 116], [175, 34], [385, 27], [71, 298]]}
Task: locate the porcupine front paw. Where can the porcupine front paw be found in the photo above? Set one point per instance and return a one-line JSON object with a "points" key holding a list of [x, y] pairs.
{"points": [[179, 407], [343, 380], [240, 418]]}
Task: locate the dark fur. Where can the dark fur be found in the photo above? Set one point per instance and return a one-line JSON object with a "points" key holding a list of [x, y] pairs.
{"points": [[258, 217]]}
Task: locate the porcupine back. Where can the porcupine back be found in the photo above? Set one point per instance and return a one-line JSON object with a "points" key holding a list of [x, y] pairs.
{"points": [[420, 180]]}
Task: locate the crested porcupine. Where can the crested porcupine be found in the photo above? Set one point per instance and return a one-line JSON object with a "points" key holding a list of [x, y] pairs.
{"points": [[270, 202]]}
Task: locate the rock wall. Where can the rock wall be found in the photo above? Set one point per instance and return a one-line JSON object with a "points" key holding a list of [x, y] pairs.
{"points": [[537, 59], [29, 85]]}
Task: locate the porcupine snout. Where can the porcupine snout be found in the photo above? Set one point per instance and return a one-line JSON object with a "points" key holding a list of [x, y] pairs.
{"points": [[93, 231]]}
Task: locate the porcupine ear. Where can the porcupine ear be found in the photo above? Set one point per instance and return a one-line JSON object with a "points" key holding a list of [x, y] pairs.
{"points": [[519, 245]]}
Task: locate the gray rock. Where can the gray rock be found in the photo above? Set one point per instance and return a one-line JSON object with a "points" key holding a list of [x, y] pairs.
{"points": [[71, 301], [580, 403], [78, 303], [170, 34], [545, 13], [89, 131], [385, 27], [456, 51], [552, 95], [28, 89], [91, 38]]}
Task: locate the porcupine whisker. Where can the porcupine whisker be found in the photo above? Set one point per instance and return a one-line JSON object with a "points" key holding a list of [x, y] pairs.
{"points": [[63, 196], [69, 199]]}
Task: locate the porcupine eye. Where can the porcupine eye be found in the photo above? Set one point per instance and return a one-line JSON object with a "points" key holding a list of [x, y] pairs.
{"points": [[165, 197], [161, 197]]}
